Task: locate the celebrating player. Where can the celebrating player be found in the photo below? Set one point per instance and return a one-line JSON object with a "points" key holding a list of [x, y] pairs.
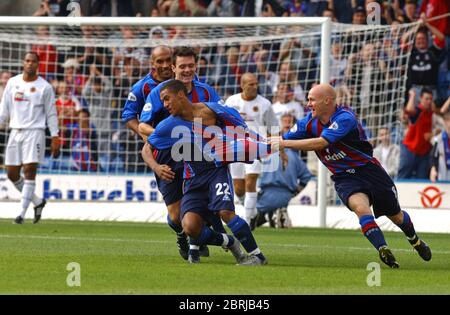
{"points": [[339, 141], [161, 62], [29, 104], [207, 187], [169, 174]]}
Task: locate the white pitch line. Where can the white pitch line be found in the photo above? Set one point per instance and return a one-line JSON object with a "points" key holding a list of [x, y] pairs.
{"points": [[119, 240]]}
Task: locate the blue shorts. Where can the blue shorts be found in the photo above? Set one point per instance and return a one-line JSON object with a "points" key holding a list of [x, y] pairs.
{"points": [[171, 191], [372, 180], [208, 192]]}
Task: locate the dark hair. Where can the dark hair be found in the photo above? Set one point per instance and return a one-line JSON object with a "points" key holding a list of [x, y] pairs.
{"points": [[184, 51], [175, 86], [97, 80], [426, 91], [31, 53], [85, 111]]}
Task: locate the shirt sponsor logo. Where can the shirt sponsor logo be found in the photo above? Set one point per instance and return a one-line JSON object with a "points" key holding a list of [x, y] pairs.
{"points": [[335, 156], [293, 129], [19, 97]]}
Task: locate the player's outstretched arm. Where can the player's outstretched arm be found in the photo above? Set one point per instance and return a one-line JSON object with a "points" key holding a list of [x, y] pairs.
{"points": [[277, 143], [162, 171], [145, 130]]}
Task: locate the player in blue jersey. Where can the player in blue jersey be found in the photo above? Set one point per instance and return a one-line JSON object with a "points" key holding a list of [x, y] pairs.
{"points": [[208, 187], [338, 139], [169, 174], [161, 62]]}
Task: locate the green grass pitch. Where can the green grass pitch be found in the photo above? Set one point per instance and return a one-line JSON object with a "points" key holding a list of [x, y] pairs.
{"points": [[138, 258]]}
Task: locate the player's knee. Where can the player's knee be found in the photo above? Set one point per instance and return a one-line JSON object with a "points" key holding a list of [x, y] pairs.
{"points": [[239, 191], [29, 173], [174, 212], [13, 176], [191, 230]]}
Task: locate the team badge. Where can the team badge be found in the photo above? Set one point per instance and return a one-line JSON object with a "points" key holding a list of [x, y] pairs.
{"points": [[33, 89], [255, 109], [132, 97], [293, 129], [334, 126], [147, 107]]}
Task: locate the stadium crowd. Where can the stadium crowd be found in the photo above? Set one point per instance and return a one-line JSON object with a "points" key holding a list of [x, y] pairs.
{"points": [[92, 83]]}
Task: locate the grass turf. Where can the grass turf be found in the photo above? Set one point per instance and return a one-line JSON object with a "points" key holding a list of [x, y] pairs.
{"points": [[138, 258]]}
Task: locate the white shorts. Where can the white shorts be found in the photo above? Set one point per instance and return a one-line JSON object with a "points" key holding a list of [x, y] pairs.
{"points": [[239, 170], [25, 147]]}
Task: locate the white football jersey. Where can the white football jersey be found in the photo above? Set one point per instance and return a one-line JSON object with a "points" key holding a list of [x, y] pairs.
{"points": [[257, 112], [29, 105]]}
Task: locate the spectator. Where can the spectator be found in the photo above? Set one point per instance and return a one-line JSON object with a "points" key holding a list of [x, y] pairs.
{"points": [[359, 16], [256, 8], [342, 9], [91, 54], [84, 144], [424, 61], [230, 74], [409, 13], [366, 75], [47, 54], [97, 93], [414, 152], [287, 75], [67, 108], [75, 81], [338, 65], [110, 8], [387, 153], [285, 103], [266, 78], [296, 7], [183, 8], [222, 8], [52, 8], [279, 187], [4, 78], [329, 13], [440, 153]]}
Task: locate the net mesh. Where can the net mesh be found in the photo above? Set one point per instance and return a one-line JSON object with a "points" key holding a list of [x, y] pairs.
{"points": [[93, 68]]}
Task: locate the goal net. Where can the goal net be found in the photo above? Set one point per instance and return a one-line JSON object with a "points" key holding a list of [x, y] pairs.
{"points": [[92, 68]]}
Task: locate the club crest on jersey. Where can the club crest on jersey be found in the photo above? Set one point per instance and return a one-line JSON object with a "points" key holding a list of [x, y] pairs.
{"points": [[334, 126], [147, 107], [33, 89], [293, 129], [18, 97], [132, 97], [255, 109]]}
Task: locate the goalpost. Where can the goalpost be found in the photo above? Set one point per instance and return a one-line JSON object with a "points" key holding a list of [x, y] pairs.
{"points": [[366, 64]]}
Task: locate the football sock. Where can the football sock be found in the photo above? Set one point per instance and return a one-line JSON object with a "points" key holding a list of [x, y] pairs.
{"points": [[217, 225], [250, 206], [372, 231], [209, 237], [408, 228], [19, 185], [176, 227], [242, 232], [27, 195]]}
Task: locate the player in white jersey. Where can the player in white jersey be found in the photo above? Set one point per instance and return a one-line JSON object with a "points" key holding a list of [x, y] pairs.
{"points": [[28, 103], [257, 112]]}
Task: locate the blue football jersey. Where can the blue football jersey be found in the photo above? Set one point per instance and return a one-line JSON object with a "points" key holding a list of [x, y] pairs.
{"points": [[204, 147], [348, 146], [154, 112], [137, 96]]}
